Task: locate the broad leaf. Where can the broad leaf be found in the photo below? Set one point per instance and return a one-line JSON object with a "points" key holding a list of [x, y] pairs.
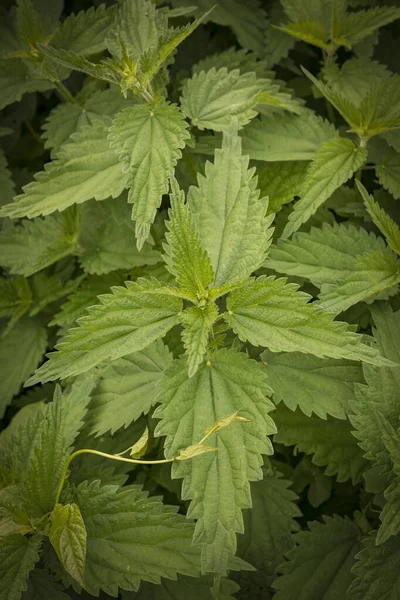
{"points": [[272, 313], [320, 566], [217, 482], [335, 162], [68, 537], [281, 182], [133, 537], [18, 555], [148, 140], [388, 173], [229, 214], [197, 325], [381, 219], [126, 321], [316, 385]]}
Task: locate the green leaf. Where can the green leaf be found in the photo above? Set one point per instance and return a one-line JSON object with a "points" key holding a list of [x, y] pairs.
{"points": [[217, 482], [18, 555], [7, 188], [185, 258], [268, 528], [20, 353], [373, 273], [272, 313], [40, 465], [18, 78], [382, 220], [84, 169], [229, 214], [148, 139], [15, 299], [288, 137], [68, 537], [388, 173], [390, 515], [198, 588], [334, 163], [310, 32], [376, 570], [325, 254], [34, 245], [197, 323], [211, 100], [329, 440], [281, 182], [133, 537], [130, 385], [135, 27], [28, 22], [320, 566], [316, 385], [85, 32], [380, 395], [232, 59], [126, 321], [354, 27], [43, 585]]}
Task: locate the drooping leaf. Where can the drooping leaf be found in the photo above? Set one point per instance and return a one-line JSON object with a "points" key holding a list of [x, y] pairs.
{"points": [[229, 215], [148, 140], [127, 388], [18, 555], [133, 537], [334, 163], [126, 321], [68, 537], [272, 313], [316, 385], [216, 482], [321, 563]]}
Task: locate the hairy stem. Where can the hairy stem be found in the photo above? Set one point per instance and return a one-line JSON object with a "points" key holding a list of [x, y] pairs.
{"points": [[65, 92]]}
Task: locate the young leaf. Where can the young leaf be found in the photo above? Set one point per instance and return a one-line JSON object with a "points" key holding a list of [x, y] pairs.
{"points": [[211, 100], [217, 482], [321, 563], [18, 555], [68, 537], [272, 313], [136, 27], [376, 569], [330, 442], [148, 139], [185, 258], [382, 220], [85, 168], [288, 137], [197, 323], [229, 215], [133, 537], [131, 383], [316, 385], [334, 163], [126, 321]]}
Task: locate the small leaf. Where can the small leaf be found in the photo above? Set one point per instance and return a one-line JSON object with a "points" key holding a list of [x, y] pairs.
{"points": [[139, 447], [195, 450], [68, 538]]}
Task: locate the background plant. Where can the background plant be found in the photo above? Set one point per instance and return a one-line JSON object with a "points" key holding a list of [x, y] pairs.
{"points": [[200, 229]]}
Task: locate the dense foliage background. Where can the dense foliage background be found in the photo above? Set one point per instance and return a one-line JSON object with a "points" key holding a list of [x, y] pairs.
{"points": [[222, 189]]}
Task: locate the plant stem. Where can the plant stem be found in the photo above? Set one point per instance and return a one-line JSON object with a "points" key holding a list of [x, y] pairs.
{"points": [[105, 455], [65, 92]]}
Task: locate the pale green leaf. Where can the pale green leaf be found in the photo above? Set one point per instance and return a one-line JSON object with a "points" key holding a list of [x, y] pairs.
{"points": [[126, 321], [197, 324], [20, 353], [148, 139], [334, 163], [320, 565], [35, 245], [324, 255], [316, 385], [355, 26], [133, 538], [217, 482], [232, 59], [377, 570], [18, 555], [388, 173], [211, 100], [272, 313], [135, 28], [288, 137], [68, 537], [229, 214], [382, 220], [185, 258], [329, 441], [85, 168], [311, 32], [127, 388], [312, 10], [374, 272]]}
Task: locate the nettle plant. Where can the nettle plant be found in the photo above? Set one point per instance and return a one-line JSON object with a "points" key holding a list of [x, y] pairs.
{"points": [[210, 254]]}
